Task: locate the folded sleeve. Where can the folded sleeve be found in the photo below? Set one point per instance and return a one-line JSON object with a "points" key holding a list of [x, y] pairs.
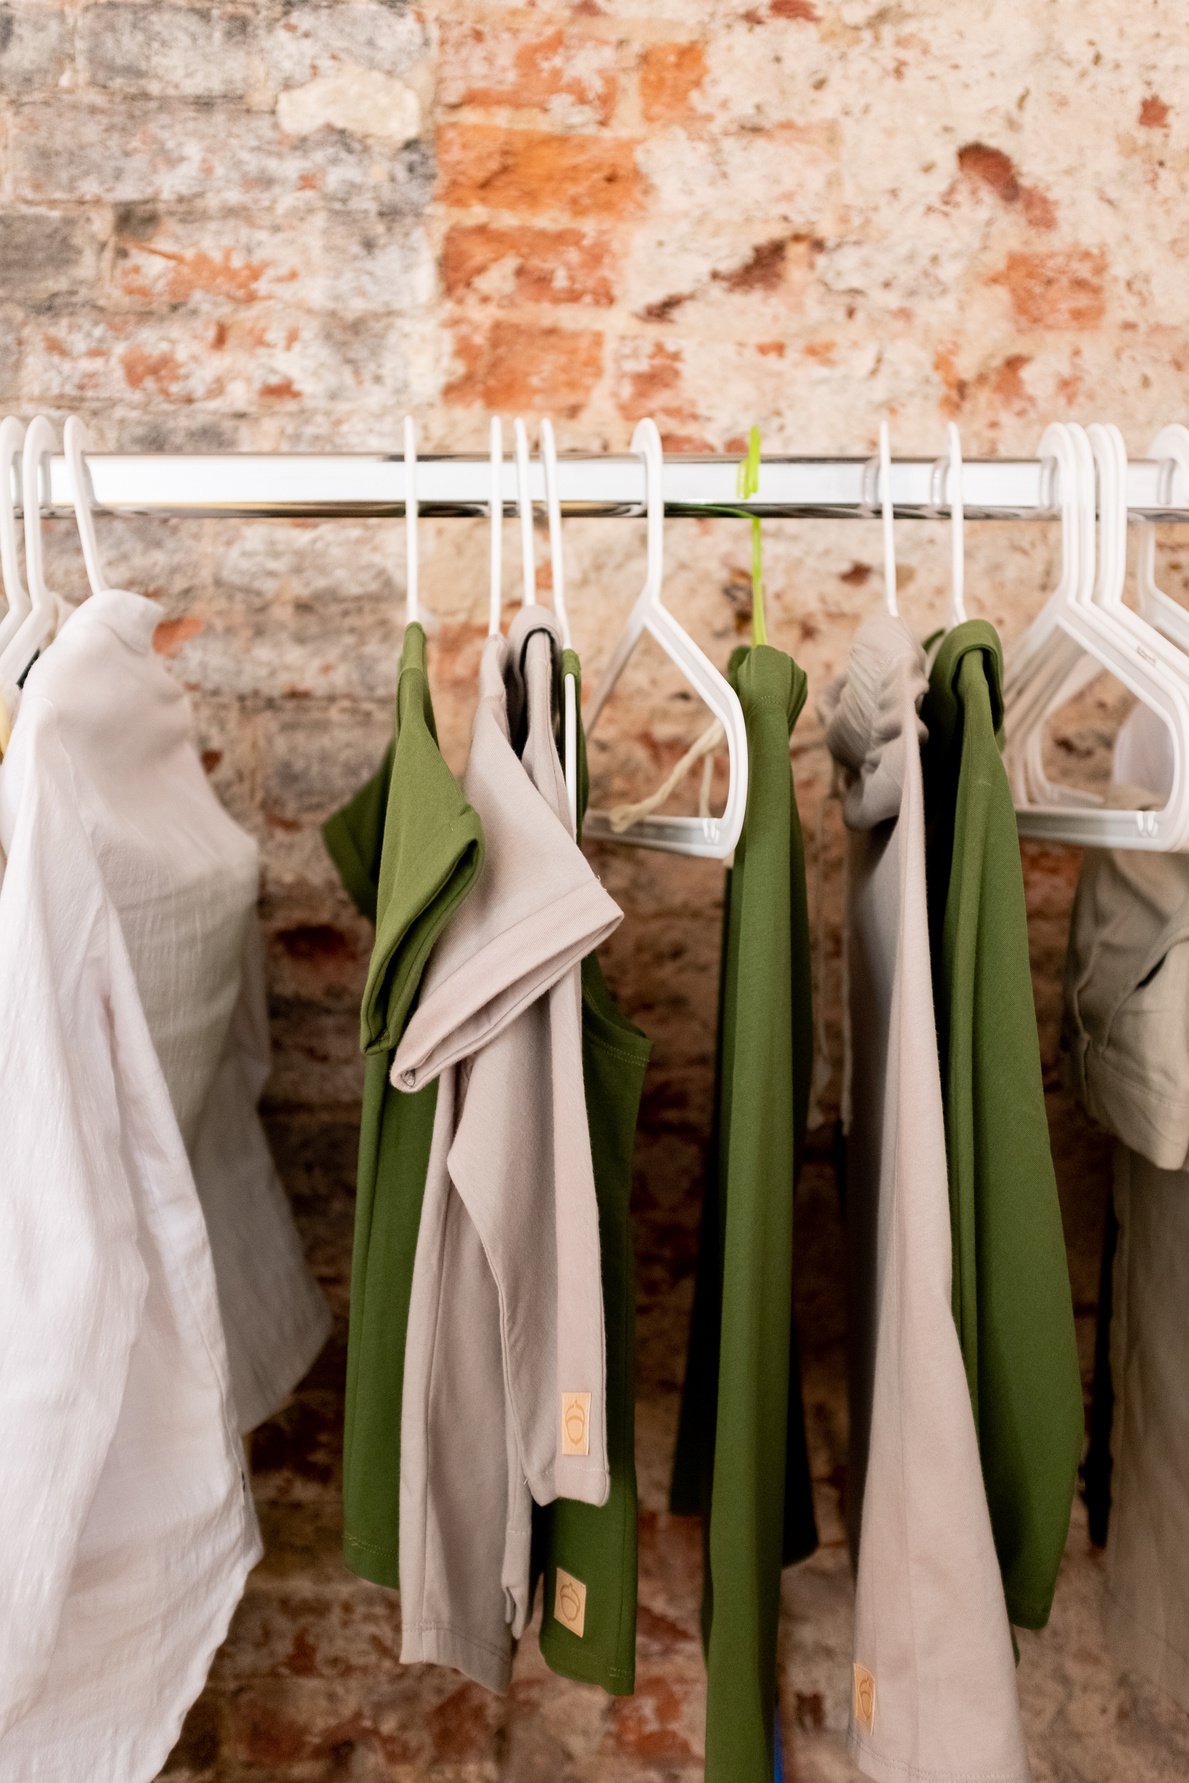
{"points": [[72, 1282]]}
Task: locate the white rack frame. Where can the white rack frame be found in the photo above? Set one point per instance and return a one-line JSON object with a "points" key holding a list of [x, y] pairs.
{"points": [[348, 484]]}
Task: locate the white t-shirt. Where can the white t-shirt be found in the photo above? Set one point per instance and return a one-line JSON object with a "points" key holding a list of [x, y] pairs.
{"points": [[183, 878], [126, 1525]]}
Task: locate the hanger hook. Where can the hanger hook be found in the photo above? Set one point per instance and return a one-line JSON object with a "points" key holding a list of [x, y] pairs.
{"points": [[497, 525], [12, 433], [885, 507], [412, 593], [39, 442], [553, 511], [76, 444], [646, 441], [953, 491], [524, 508]]}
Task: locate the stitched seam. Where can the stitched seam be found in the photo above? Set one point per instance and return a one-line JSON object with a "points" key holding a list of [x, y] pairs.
{"points": [[460, 1634], [355, 1541], [930, 1776], [617, 1052], [1122, 1609], [1133, 1083]]}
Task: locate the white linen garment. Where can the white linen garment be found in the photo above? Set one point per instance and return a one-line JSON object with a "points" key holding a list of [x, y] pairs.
{"points": [[934, 1690], [182, 878], [126, 1526], [1126, 1034], [505, 1368]]}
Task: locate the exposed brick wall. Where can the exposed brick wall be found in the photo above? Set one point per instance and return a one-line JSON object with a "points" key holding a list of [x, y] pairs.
{"points": [[280, 225]]}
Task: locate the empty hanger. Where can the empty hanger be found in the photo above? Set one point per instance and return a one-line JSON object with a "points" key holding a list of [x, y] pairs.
{"points": [[1107, 637], [709, 837], [1171, 448], [1103, 594]]}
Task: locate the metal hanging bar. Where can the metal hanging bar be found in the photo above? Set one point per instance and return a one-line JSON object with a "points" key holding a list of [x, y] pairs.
{"points": [[324, 485]]}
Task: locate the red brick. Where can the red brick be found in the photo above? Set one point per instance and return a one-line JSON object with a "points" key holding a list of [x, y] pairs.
{"points": [[532, 171], [1153, 113], [533, 265], [990, 167], [649, 381], [1066, 289], [485, 65], [670, 75], [516, 365]]}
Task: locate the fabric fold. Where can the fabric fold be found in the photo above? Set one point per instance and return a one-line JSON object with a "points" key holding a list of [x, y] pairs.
{"points": [[505, 1354], [933, 1677]]}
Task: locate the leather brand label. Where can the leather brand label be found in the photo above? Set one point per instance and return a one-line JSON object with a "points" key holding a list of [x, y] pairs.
{"points": [[864, 1706], [569, 1603], [575, 1423]]}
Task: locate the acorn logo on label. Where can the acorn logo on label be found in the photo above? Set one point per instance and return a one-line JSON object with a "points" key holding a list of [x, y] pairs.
{"points": [[575, 1423], [864, 1706], [569, 1603]]}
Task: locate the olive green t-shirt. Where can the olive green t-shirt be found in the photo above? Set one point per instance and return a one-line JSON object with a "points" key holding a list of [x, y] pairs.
{"points": [[741, 1451], [1011, 1294], [409, 848], [595, 1547]]}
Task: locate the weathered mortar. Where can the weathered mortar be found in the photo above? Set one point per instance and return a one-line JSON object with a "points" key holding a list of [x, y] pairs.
{"points": [[280, 225], [271, 225]]}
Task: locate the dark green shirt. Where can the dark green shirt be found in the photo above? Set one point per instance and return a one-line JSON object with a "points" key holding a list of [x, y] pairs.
{"points": [[741, 1455], [1011, 1294], [408, 847], [598, 1545]]}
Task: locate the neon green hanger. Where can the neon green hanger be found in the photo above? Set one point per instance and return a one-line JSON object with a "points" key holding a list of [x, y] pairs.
{"points": [[747, 484]]}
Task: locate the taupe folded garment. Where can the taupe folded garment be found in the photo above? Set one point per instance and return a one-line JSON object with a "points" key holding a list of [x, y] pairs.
{"points": [[934, 1691], [504, 1390], [1126, 1031]]}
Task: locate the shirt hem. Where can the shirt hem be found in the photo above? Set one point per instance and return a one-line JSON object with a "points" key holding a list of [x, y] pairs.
{"points": [[440, 1643], [884, 1769], [1140, 1649]]}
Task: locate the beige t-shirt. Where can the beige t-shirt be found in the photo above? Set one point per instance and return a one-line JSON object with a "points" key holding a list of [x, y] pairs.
{"points": [[934, 1689], [504, 1388]]}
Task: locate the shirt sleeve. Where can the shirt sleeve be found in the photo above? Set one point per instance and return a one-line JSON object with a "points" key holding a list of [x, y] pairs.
{"points": [[72, 1282]]}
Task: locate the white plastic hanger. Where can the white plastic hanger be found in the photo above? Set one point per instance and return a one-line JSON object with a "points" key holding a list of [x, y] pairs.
{"points": [[495, 597], [1047, 659], [947, 474], [1171, 447], [39, 624], [709, 837], [881, 465], [412, 593], [1124, 650], [12, 432], [558, 574], [1103, 594], [75, 445], [524, 513]]}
